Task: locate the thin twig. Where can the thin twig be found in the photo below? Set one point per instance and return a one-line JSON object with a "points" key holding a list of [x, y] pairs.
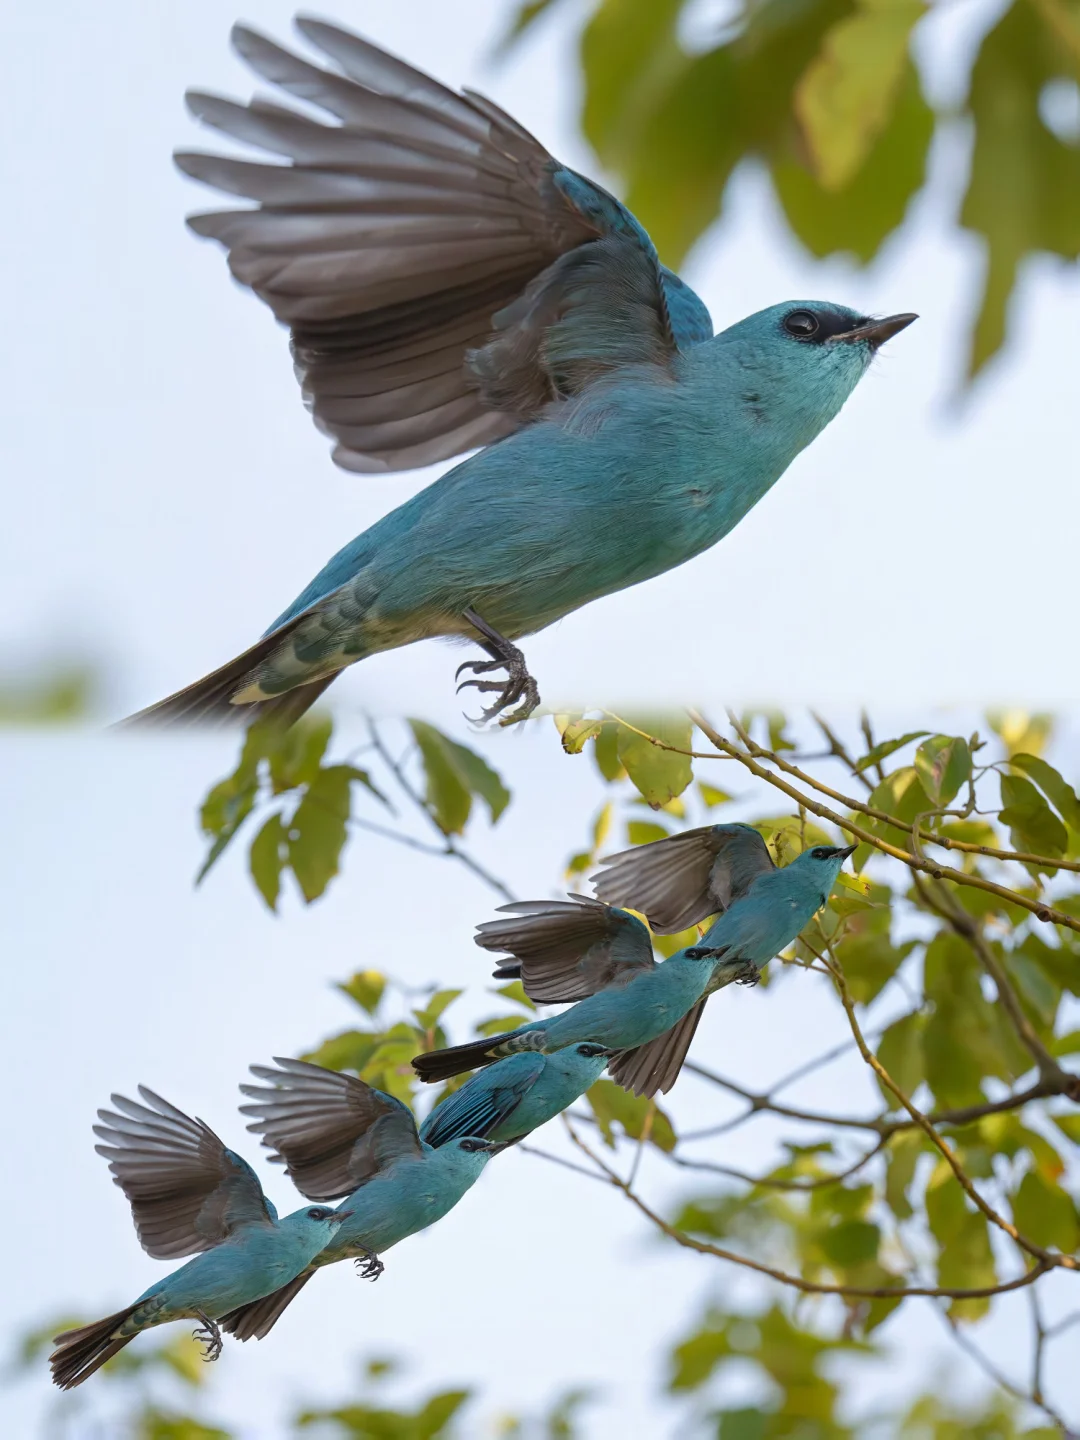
{"points": [[797, 1282]]}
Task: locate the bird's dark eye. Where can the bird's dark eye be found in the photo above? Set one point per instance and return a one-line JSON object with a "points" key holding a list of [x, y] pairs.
{"points": [[320, 1212], [803, 324], [820, 853]]}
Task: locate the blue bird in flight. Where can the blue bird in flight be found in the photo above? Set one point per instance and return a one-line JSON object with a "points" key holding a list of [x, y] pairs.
{"points": [[506, 1100], [190, 1195], [339, 1137], [449, 285], [600, 958]]}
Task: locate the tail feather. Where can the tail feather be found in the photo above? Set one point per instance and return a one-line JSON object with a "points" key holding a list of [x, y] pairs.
{"points": [[209, 700], [80, 1352], [255, 1321], [456, 1059]]}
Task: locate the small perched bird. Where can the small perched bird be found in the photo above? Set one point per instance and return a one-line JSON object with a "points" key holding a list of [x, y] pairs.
{"points": [[190, 1196], [601, 957], [337, 1136], [448, 284], [515, 1095]]}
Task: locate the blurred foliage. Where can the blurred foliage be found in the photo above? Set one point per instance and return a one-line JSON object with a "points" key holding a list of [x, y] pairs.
{"points": [[826, 96], [55, 695]]}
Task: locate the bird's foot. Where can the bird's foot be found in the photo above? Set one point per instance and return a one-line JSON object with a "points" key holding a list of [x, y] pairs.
{"points": [[748, 975], [369, 1266], [519, 685], [209, 1336]]}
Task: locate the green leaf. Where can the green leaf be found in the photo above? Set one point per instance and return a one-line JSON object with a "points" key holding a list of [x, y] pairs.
{"points": [[847, 94], [852, 1242], [429, 1015], [1054, 787], [884, 748], [1024, 189], [575, 730], [317, 830], [296, 754], [269, 853], [902, 1157], [711, 796], [900, 1050], [1043, 1212], [367, 988], [606, 752], [641, 832], [1033, 826], [499, 1025], [524, 16], [514, 991], [612, 1105], [965, 1260], [658, 774], [858, 218], [943, 764], [454, 774]]}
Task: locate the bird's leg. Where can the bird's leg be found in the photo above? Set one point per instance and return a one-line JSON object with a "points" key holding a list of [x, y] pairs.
{"points": [[519, 684], [368, 1265], [209, 1335], [748, 975]]}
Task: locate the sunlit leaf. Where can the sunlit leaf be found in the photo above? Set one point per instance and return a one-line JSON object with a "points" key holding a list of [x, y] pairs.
{"points": [[847, 93], [268, 854], [659, 774], [943, 764]]}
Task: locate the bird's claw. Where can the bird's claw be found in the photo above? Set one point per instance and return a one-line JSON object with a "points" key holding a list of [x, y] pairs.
{"points": [[369, 1266], [519, 685], [208, 1335], [750, 975]]}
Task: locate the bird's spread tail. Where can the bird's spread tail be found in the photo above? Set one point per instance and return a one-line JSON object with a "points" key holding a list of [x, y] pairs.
{"points": [[80, 1352], [255, 1321], [456, 1059], [209, 700]]}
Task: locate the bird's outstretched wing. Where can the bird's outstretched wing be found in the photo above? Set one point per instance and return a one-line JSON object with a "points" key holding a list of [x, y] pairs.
{"points": [[680, 881], [444, 278], [564, 950], [656, 1066], [187, 1191], [483, 1102], [332, 1132]]}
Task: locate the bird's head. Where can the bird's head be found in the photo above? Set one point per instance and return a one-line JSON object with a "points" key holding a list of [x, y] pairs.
{"points": [[796, 363], [314, 1225], [822, 863], [470, 1153]]}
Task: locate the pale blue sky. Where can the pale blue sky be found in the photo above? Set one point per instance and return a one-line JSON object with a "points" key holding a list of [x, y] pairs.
{"points": [[166, 495]]}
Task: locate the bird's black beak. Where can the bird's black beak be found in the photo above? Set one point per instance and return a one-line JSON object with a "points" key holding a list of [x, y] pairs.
{"points": [[339, 1216], [876, 332], [847, 850]]}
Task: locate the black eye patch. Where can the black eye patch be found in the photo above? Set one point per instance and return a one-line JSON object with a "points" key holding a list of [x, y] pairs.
{"points": [[818, 325]]}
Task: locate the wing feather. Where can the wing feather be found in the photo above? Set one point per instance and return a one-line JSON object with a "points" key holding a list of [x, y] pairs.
{"points": [[420, 215], [331, 1131], [565, 950], [187, 1191], [656, 1066]]}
